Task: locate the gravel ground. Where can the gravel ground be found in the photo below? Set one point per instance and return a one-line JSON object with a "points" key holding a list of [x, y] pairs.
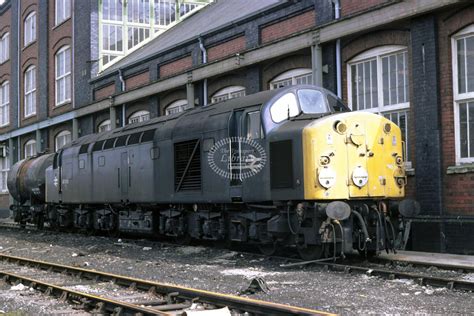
{"points": [[229, 272]]}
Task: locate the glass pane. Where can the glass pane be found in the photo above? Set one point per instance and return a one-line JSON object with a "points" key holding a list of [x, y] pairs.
{"points": [[385, 80], [463, 129], [373, 80], [461, 66], [471, 129], [360, 87], [367, 86], [400, 78], [393, 79], [470, 63], [312, 101], [253, 125], [354, 86]]}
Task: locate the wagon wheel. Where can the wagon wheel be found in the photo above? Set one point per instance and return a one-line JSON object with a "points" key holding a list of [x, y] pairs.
{"points": [[309, 252], [268, 249]]}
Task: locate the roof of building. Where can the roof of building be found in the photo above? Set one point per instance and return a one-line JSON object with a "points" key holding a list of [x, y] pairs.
{"points": [[213, 16]]}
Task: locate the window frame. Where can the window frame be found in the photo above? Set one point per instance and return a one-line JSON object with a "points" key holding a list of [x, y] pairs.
{"points": [[181, 105], [4, 104], [29, 29], [460, 98], [62, 135], [64, 77], [66, 14], [31, 144], [139, 116], [5, 48], [228, 93], [105, 123], [32, 92], [291, 75], [377, 54], [4, 168]]}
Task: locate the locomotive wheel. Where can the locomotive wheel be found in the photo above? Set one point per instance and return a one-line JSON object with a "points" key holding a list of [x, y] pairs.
{"points": [[268, 249], [309, 252]]}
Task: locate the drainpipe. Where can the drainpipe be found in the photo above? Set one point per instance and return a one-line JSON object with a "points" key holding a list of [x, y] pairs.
{"points": [[204, 61], [18, 67], [337, 16], [122, 88]]}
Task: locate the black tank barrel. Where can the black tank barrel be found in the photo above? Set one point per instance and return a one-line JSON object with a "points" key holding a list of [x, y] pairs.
{"points": [[26, 178]]}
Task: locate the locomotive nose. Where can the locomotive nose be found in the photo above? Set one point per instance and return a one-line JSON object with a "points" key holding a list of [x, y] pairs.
{"points": [[353, 155]]}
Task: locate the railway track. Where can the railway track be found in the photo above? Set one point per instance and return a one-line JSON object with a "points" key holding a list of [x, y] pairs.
{"points": [[101, 292], [357, 266]]}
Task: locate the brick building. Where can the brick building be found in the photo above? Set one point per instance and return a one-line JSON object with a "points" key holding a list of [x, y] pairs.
{"points": [[103, 66]]}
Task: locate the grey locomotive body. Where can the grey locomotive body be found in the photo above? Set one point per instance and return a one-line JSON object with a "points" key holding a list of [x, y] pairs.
{"points": [[159, 177]]}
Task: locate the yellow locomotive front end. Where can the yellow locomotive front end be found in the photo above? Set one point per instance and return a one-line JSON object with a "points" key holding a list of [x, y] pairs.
{"points": [[352, 156]]}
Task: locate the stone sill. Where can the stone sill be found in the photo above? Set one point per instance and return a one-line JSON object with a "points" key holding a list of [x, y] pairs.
{"points": [[466, 168]]}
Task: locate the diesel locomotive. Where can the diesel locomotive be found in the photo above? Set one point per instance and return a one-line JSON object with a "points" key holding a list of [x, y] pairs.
{"points": [[287, 167]]}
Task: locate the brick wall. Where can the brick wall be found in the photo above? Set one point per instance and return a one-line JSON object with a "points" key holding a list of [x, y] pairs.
{"points": [[104, 92], [349, 7], [5, 68], [28, 57], [176, 66], [458, 193], [59, 37], [228, 48], [137, 80], [287, 27]]}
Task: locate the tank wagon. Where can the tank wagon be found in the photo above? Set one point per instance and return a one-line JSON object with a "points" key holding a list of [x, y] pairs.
{"points": [[286, 167]]}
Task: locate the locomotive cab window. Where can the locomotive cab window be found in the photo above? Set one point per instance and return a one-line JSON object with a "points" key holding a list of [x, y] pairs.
{"points": [[284, 108], [312, 101], [254, 125]]}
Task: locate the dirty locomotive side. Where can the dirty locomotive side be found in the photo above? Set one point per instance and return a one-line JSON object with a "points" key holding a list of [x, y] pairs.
{"points": [[288, 167]]}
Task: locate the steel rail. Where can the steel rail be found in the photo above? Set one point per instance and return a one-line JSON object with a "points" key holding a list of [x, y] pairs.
{"points": [[449, 283], [295, 261], [202, 296], [103, 303]]}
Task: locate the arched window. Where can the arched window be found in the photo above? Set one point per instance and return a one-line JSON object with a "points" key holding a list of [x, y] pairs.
{"points": [[176, 107], [63, 10], [29, 28], [139, 116], [63, 75], [104, 126], [62, 139], [5, 103], [228, 93], [377, 81], [463, 88], [4, 47], [30, 91], [30, 148], [292, 77]]}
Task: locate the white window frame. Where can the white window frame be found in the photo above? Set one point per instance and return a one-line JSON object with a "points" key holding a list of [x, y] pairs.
{"points": [[30, 148], [227, 93], [5, 103], [62, 10], [139, 116], [5, 48], [63, 78], [291, 77], [378, 53], [30, 95], [4, 168], [29, 29], [458, 97], [104, 126], [139, 32], [62, 139], [177, 106]]}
